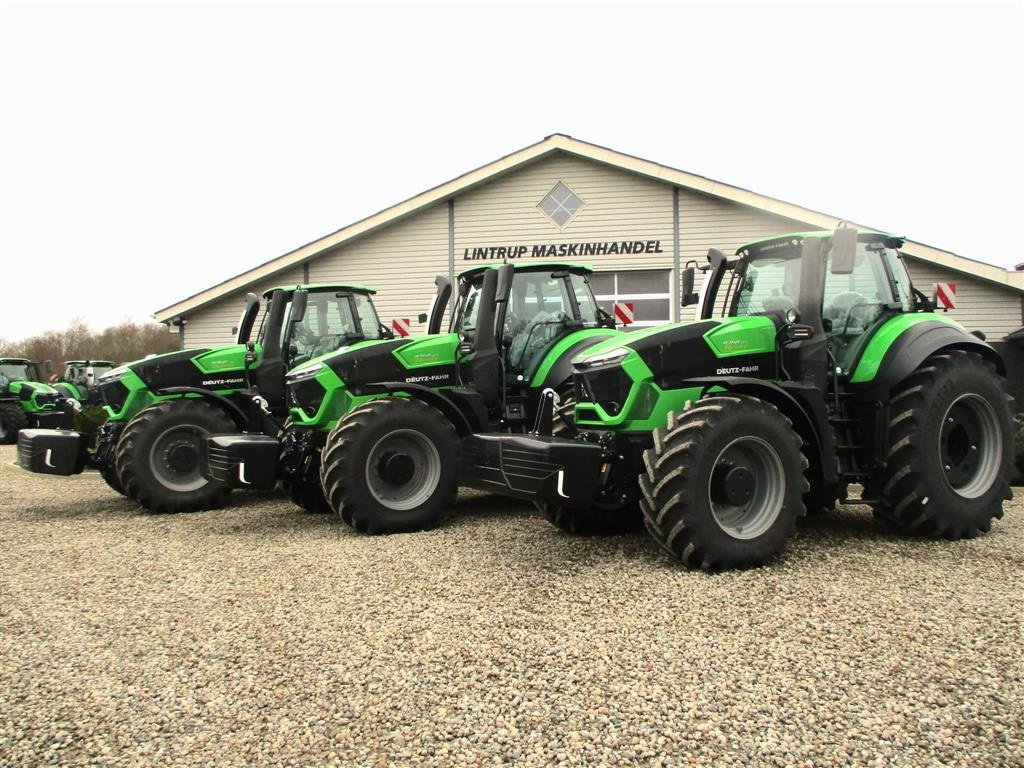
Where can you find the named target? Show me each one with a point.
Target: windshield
(16, 371)
(771, 283)
(333, 320)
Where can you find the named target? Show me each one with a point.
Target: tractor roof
(318, 287)
(798, 237)
(15, 360)
(532, 266)
(89, 362)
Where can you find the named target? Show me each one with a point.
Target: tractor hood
(218, 368)
(324, 388)
(621, 382)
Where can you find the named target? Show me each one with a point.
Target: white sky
(151, 150)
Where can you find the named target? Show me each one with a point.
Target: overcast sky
(151, 150)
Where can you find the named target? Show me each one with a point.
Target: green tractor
(25, 401)
(391, 413)
(824, 367)
(159, 408)
(80, 379)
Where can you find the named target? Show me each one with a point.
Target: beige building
(636, 222)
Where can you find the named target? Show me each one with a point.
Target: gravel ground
(260, 635)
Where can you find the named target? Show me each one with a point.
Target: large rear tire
(12, 418)
(391, 466)
(724, 483)
(157, 457)
(950, 449)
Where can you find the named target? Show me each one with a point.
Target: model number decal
(739, 369)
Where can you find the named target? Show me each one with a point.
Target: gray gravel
(260, 635)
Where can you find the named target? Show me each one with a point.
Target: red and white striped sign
(945, 295)
(401, 326)
(623, 312)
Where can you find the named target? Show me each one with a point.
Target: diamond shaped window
(560, 204)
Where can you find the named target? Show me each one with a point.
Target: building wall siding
(980, 305)
(211, 325)
(617, 206)
(401, 261)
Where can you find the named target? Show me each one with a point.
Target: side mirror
(844, 249)
(687, 296)
(505, 274)
(299, 306)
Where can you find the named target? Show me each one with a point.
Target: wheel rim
(174, 458)
(403, 469)
(747, 487)
(970, 446)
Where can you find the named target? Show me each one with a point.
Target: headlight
(304, 373)
(603, 360)
(114, 374)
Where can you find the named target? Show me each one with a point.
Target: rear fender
(911, 348)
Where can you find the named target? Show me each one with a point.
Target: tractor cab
(513, 319)
(17, 369)
(827, 293)
(301, 323)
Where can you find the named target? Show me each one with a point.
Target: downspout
(451, 253)
(677, 274)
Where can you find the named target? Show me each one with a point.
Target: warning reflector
(623, 312)
(945, 295)
(401, 326)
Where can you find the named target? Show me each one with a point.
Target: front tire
(724, 483)
(12, 419)
(157, 456)
(391, 466)
(950, 449)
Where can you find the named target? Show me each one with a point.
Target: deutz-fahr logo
(222, 382)
(738, 369)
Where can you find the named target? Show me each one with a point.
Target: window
(649, 291)
(560, 204)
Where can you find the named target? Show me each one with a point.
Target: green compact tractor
(80, 379)
(25, 401)
(377, 427)
(159, 408)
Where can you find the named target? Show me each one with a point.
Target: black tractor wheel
(724, 483)
(12, 418)
(157, 457)
(105, 462)
(307, 495)
(391, 466)
(950, 449)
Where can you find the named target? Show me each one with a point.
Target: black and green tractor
(159, 408)
(814, 365)
(391, 413)
(25, 401)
